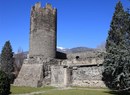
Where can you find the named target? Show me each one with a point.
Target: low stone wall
(89, 83)
(60, 76)
(87, 76)
(86, 55)
(38, 72)
(57, 76)
(89, 61)
(79, 75)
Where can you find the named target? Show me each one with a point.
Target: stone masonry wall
(78, 75)
(30, 75)
(87, 76)
(89, 61)
(86, 55)
(43, 25)
(35, 72)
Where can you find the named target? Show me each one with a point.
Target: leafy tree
(7, 60)
(116, 74)
(4, 84)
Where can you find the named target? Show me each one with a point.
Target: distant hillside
(76, 50)
(83, 52)
(72, 50)
(24, 54)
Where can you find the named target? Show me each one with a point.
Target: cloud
(60, 48)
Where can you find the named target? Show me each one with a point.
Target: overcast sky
(80, 22)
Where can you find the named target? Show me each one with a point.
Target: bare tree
(19, 58)
(102, 46)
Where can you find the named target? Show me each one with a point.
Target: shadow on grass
(118, 93)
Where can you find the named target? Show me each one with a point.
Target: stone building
(46, 66)
(43, 25)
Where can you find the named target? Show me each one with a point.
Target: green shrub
(4, 84)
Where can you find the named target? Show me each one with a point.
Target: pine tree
(4, 84)
(7, 60)
(116, 62)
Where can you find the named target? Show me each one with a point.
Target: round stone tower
(43, 28)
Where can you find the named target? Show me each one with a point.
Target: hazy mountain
(75, 50)
(71, 50)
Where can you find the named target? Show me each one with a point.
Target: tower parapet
(43, 28)
(37, 5)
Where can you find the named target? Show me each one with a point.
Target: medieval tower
(46, 66)
(43, 28)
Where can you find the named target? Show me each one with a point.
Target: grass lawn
(22, 90)
(83, 92)
(56, 91)
(76, 92)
